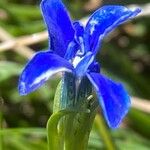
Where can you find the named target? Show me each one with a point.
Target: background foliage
(124, 56)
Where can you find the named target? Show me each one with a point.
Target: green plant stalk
(104, 133)
(1, 126)
(71, 122)
(75, 136)
(54, 139)
(79, 141)
(75, 108)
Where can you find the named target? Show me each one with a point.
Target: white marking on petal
(45, 76)
(82, 51)
(23, 87)
(107, 30)
(76, 60)
(93, 23)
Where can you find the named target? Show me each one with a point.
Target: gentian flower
(72, 48)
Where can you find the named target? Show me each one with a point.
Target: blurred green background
(125, 56)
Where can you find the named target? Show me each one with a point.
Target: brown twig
(24, 40)
(92, 5)
(20, 49)
(145, 9)
(141, 104)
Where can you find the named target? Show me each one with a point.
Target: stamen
(76, 60)
(82, 51)
(71, 50)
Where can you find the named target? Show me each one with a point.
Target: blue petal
(39, 69)
(59, 25)
(79, 29)
(104, 21)
(114, 100)
(94, 67)
(72, 49)
(82, 66)
(79, 33)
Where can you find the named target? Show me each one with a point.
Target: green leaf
(140, 121)
(8, 69)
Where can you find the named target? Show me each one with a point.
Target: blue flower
(72, 48)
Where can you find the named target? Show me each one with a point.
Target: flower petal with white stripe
(39, 69)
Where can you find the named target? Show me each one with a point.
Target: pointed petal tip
(138, 10)
(22, 89)
(118, 121)
(116, 124)
(135, 12)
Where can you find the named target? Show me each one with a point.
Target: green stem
(104, 132)
(71, 135)
(70, 125)
(79, 135)
(1, 125)
(53, 136)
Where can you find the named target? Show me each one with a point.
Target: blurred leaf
(9, 69)
(125, 139)
(130, 140)
(24, 139)
(140, 121)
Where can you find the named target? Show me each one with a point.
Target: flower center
(76, 60)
